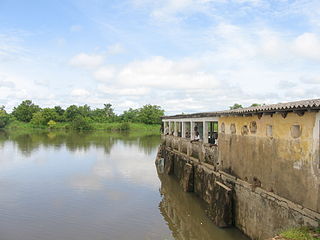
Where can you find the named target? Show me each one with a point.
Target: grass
(112, 126)
(301, 234)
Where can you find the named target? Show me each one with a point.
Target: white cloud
(115, 49)
(164, 73)
(307, 45)
(105, 73)
(124, 91)
(88, 61)
(80, 92)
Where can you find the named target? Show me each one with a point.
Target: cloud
(307, 45)
(105, 73)
(6, 84)
(160, 72)
(80, 92)
(310, 79)
(11, 46)
(87, 61)
(124, 91)
(115, 49)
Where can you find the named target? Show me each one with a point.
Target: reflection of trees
(29, 141)
(185, 214)
(147, 143)
(3, 137)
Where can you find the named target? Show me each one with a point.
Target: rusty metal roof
(303, 105)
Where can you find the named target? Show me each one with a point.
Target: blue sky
(184, 55)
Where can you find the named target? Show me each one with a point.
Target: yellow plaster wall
(281, 126)
(282, 164)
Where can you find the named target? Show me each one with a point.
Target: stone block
(220, 209)
(188, 177)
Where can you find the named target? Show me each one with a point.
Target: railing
(203, 152)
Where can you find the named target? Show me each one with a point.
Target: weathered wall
(207, 153)
(282, 162)
(257, 212)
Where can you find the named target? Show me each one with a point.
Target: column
(205, 132)
(169, 127)
(192, 130)
(166, 128)
(183, 134)
(175, 129)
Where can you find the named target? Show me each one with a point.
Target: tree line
(237, 105)
(80, 117)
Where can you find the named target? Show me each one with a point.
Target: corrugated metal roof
(279, 107)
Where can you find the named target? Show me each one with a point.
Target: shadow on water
(30, 141)
(185, 214)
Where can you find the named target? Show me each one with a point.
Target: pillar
(175, 129)
(169, 127)
(205, 132)
(183, 134)
(192, 130)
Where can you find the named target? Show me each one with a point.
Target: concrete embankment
(258, 213)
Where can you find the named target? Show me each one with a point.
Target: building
(274, 148)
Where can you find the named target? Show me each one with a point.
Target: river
(94, 186)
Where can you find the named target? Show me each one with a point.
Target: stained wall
(278, 153)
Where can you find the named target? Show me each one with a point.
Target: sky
(184, 55)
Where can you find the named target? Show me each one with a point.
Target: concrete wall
(202, 152)
(283, 160)
(256, 211)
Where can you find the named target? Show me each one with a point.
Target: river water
(93, 186)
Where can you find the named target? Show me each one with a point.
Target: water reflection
(185, 214)
(28, 142)
(96, 185)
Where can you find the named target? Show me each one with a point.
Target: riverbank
(108, 126)
(299, 234)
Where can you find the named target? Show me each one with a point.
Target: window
(253, 127)
(233, 129)
(269, 131)
(295, 131)
(244, 130)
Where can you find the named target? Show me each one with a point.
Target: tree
(108, 110)
(60, 112)
(84, 110)
(81, 123)
(25, 111)
(131, 115)
(150, 114)
(235, 106)
(44, 116)
(71, 113)
(4, 117)
(255, 105)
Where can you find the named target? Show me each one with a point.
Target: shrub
(125, 126)
(81, 123)
(52, 124)
(4, 118)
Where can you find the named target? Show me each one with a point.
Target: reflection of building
(185, 215)
(268, 156)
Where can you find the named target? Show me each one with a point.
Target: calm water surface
(93, 186)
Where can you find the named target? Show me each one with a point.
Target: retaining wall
(258, 213)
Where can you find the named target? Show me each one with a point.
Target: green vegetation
(4, 117)
(235, 106)
(28, 115)
(301, 234)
